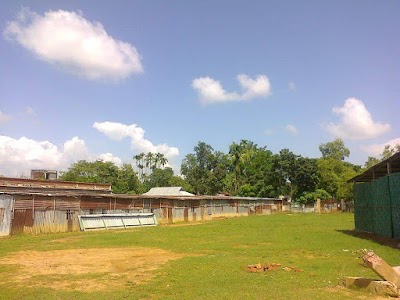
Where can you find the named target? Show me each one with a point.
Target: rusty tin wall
(6, 202)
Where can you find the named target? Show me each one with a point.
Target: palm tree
(163, 160)
(156, 160)
(139, 163)
(160, 160)
(235, 152)
(149, 161)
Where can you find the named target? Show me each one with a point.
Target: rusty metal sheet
(108, 221)
(6, 203)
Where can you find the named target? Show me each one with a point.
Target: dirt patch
(87, 269)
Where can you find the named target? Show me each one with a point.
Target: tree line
(246, 169)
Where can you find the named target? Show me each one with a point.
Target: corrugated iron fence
(377, 206)
(41, 213)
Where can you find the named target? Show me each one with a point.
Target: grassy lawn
(204, 261)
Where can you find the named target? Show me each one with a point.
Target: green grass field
(203, 261)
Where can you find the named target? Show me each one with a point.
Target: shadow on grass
(390, 242)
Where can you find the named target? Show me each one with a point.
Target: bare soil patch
(86, 269)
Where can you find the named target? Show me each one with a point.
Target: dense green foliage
(215, 255)
(246, 169)
(123, 180)
(250, 170)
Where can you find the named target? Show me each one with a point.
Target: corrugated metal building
(35, 206)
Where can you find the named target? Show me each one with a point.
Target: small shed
(377, 198)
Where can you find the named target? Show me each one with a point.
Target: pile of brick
(389, 286)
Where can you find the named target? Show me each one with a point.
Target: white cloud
(292, 86)
(4, 118)
(19, 156)
(77, 45)
(30, 112)
(377, 149)
(292, 129)
(119, 131)
(75, 149)
(211, 90)
(111, 158)
(356, 122)
(269, 131)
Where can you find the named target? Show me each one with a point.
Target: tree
(371, 161)
(305, 176)
(127, 181)
(149, 159)
(97, 172)
(335, 149)
(122, 180)
(160, 160)
(241, 155)
(283, 172)
(388, 151)
(139, 158)
(164, 178)
(235, 154)
(205, 170)
(254, 175)
(310, 197)
(333, 174)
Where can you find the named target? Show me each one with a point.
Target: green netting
(383, 221)
(361, 206)
(394, 182)
(396, 222)
(358, 218)
(369, 219)
(373, 206)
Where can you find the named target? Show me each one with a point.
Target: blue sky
(90, 80)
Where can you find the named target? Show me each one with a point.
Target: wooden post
(318, 205)
(389, 168)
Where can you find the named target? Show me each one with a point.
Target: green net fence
(377, 206)
(394, 181)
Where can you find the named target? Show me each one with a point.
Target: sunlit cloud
(109, 157)
(269, 131)
(69, 41)
(19, 156)
(211, 90)
(377, 149)
(4, 118)
(292, 86)
(119, 131)
(30, 112)
(292, 129)
(356, 122)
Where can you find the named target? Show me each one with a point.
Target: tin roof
(167, 191)
(385, 167)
